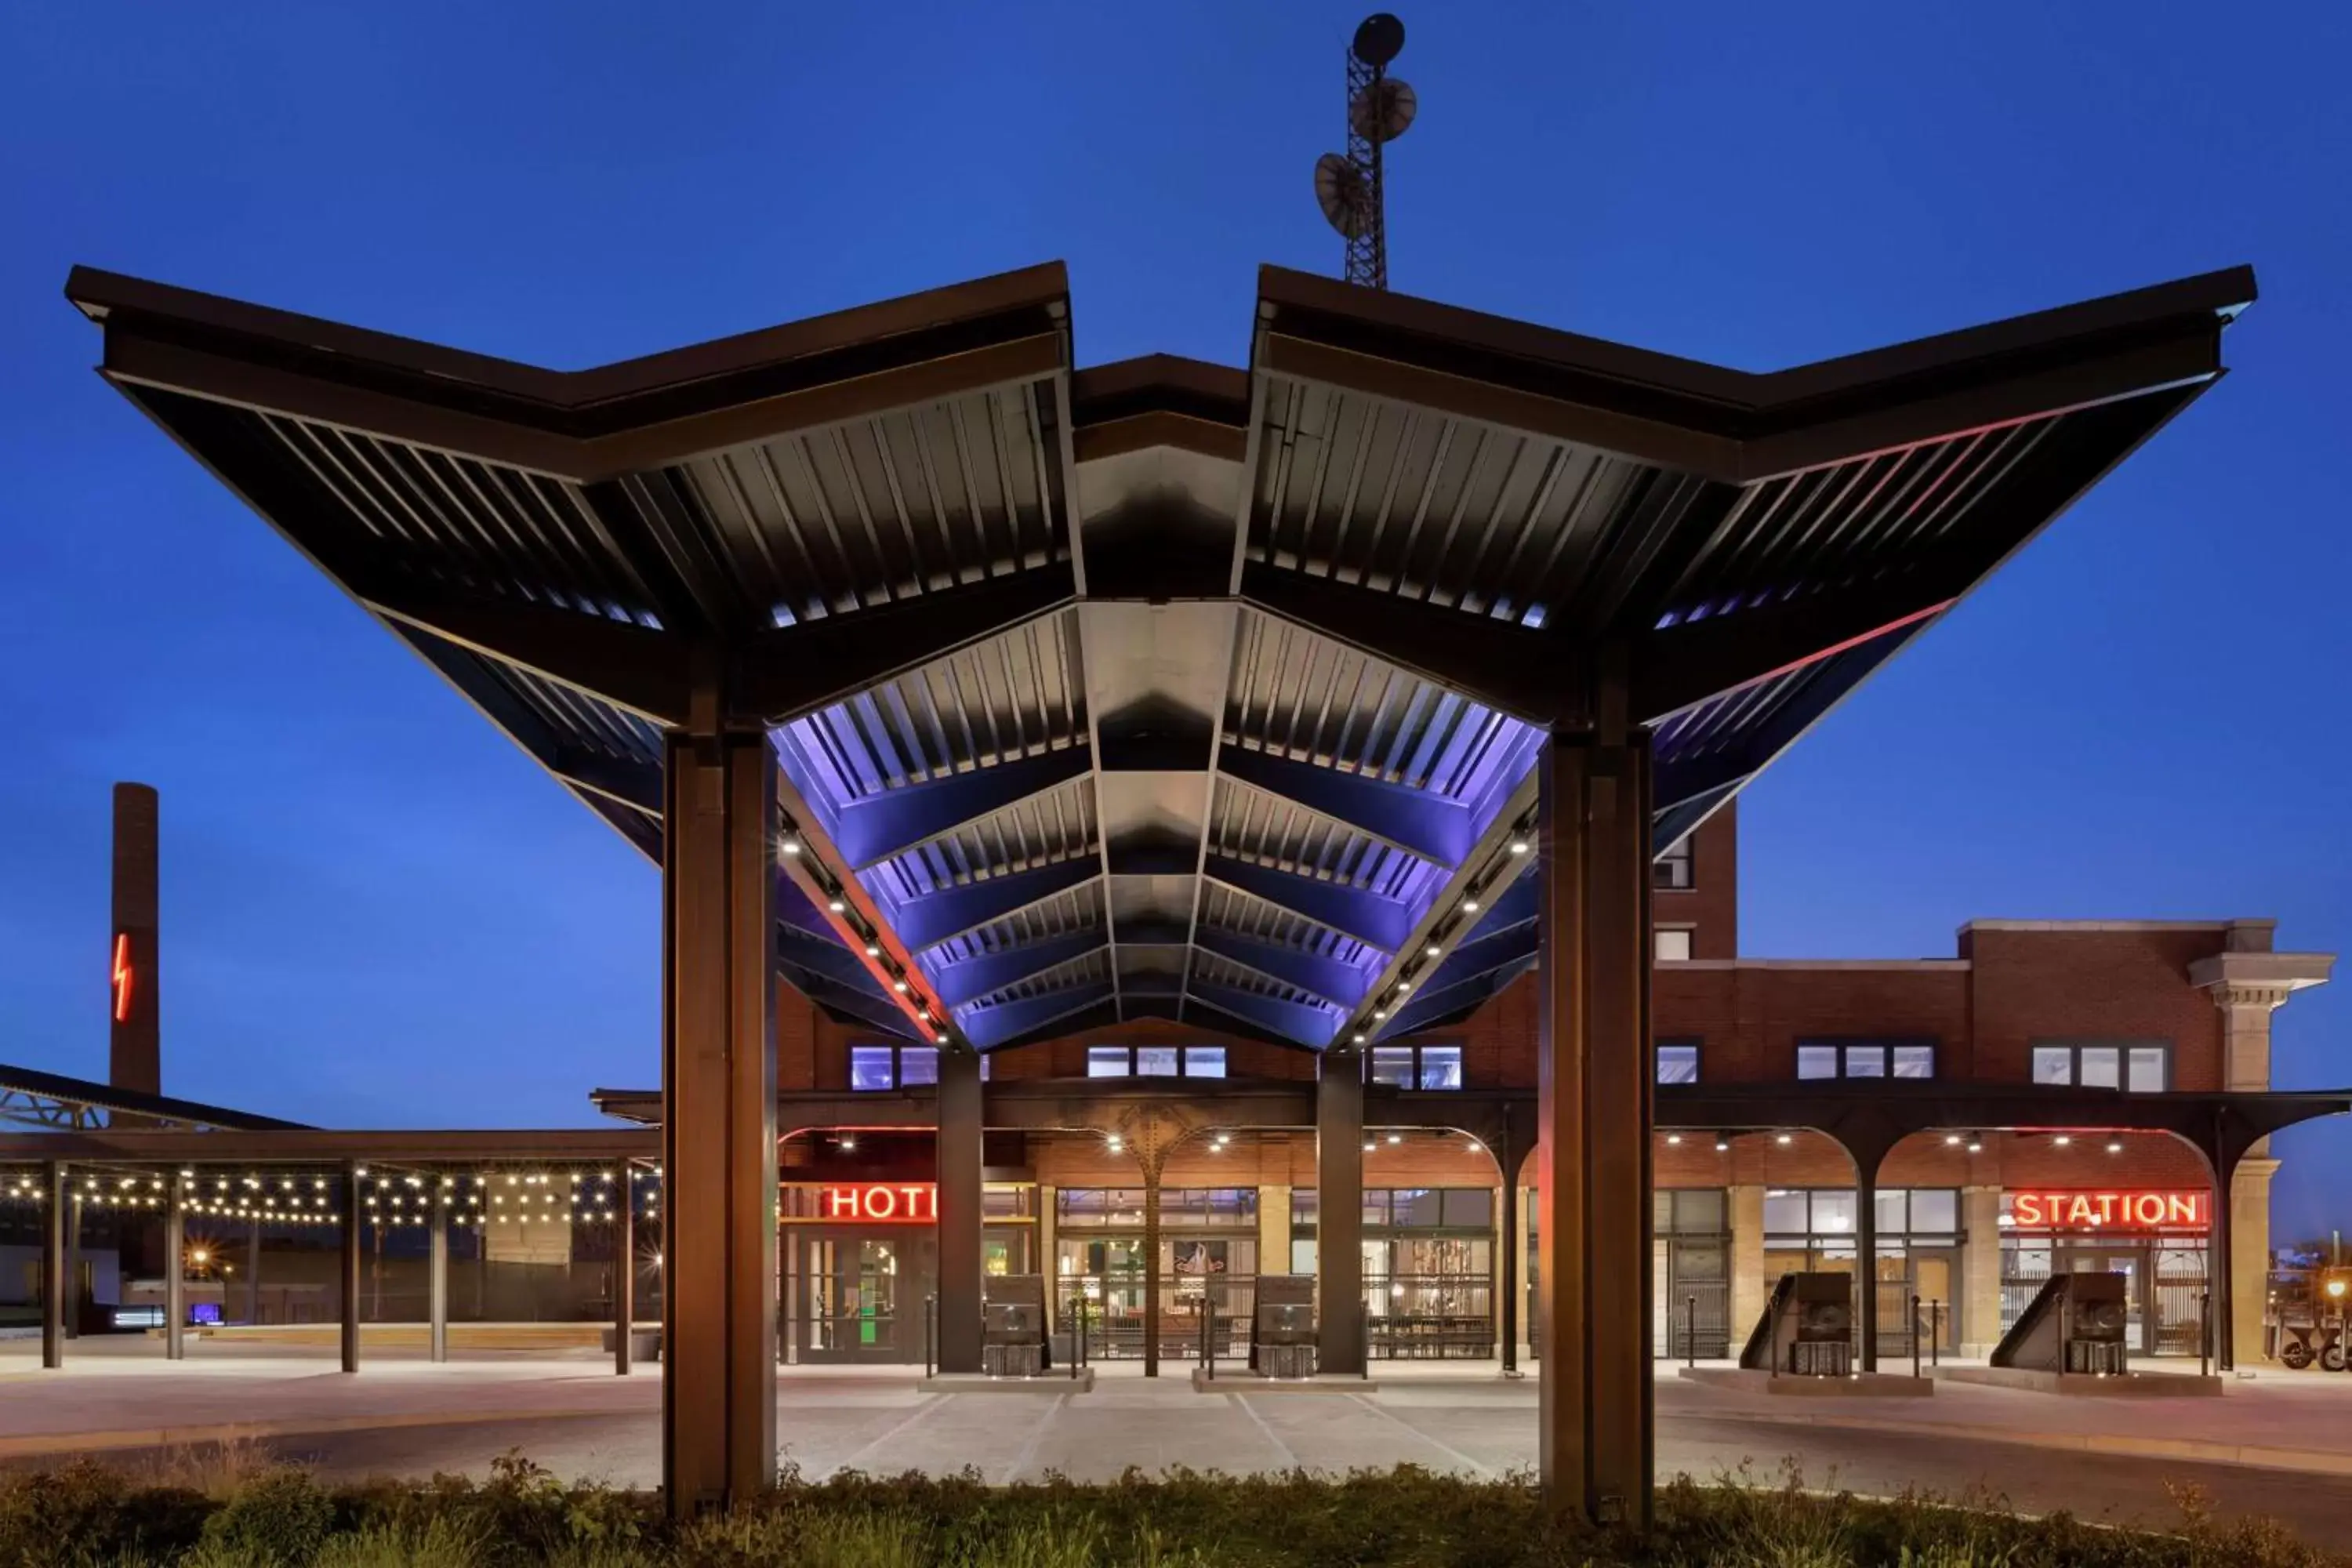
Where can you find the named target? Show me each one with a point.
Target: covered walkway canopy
(987, 698)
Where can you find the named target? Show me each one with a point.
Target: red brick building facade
(2154, 1006)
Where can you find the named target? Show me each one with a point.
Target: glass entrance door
(859, 1298)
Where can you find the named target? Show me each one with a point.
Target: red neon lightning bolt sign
(122, 977)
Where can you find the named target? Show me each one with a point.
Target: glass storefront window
(1469, 1207)
(1421, 1207)
(1935, 1209)
(1302, 1206)
(1834, 1213)
(1892, 1217)
(1784, 1213)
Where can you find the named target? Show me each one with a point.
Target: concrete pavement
(2267, 1438)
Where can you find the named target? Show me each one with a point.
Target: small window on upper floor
(895, 1067)
(1865, 1058)
(1678, 1061)
(1672, 870)
(1669, 944)
(1155, 1062)
(1415, 1066)
(2136, 1069)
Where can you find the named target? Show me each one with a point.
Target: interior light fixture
(1396, 1137)
(1784, 1138)
(1674, 1137)
(2062, 1141)
(1723, 1145)
(837, 905)
(790, 845)
(1976, 1146)
(1469, 905)
(2114, 1145)
(1433, 950)
(1951, 1139)
(1518, 846)
(873, 950)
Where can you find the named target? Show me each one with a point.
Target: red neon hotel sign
(891, 1203)
(2103, 1210)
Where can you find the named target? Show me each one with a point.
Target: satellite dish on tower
(1348, 186)
(1379, 39)
(1383, 111)
(1345, 198)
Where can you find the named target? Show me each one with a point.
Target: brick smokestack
(133, 994)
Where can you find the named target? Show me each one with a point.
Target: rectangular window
(1671, 945)
(1866, 1060)
(1441, 1066)
(1393, 1064)
(1672, 870)
(1110, 1061)
(1935, 1209)
(1678, 1063)
(1469, 1208)
(871, 1068)
(1418, 1206)
(1157, 1061)
(1833, 1213)
(918, 1064)
(2139, 1069)
(1204, 1061)
(1784, 1213)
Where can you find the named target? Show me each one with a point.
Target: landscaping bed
(201, 1513)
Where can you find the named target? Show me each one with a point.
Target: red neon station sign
(889, 1203)
(2110, 1210)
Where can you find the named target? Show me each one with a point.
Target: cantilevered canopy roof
(1159, 688)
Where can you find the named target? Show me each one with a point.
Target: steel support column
(175, 1273)
(1865, 1253)
(718, 1132)
(350, 1268)
(253, 1275)
(624, 1273)
(1152, 1167)
(1507, 1263)
(53, 1266)
(1595, 1076)
(436, 1276)
(2224, 1156)
(960, 1211)
(1340, 1212)
(70, 1269)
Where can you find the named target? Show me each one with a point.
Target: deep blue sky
(377, 912)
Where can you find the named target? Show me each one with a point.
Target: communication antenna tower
(1347, 186)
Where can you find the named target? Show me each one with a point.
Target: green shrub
(88, 1516)
(278, 1518)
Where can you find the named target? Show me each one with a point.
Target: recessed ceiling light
(1518, 846)
(1674, 1137)
(1784, 1138)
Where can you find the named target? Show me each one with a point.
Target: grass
(235, 1508)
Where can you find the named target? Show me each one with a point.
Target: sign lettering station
(2109, 1211)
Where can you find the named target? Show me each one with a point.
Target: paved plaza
(2276, 1444)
